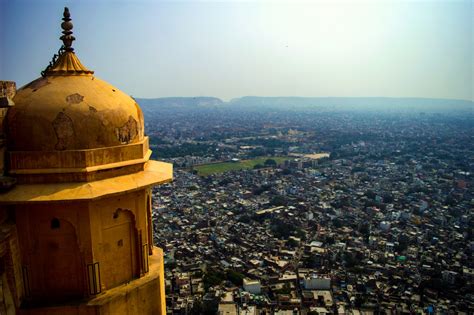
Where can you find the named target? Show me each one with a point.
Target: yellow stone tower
(76, 232)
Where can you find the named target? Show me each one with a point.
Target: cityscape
(379, 222)
(191, 157)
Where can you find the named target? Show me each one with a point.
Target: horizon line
(293, 96)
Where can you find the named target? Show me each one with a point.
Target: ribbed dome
(72, 112)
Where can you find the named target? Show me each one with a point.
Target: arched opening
(57, 271)
(119, 263)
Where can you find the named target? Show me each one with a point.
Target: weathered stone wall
(9, 249)
(7, 89)
(7, 92)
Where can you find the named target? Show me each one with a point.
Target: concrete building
(252, 286)
(316, 282)
(75, 210)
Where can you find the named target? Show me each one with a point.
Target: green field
(208, 169)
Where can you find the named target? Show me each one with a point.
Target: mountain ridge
(297, 102)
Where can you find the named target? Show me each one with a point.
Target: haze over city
(230, 49)
(275, 158)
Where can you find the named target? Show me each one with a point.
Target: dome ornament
(67, 26)
(65, 62)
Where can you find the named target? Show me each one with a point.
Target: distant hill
(308, 103)
(201, 101)
(353, 103)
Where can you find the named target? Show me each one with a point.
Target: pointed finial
(67, 37)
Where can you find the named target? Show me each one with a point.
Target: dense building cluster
(383, 225)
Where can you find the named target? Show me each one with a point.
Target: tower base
(145, 295)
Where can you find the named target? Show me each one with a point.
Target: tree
(197, 308)
(350, 260)
(171, 265)
(235, 277)
(388, 198)
(370, 194)
(212, 278)
(278, 201)
(245, 218)
(337, 223)
(364, 229)
(286, 171)
(259, 190)
(270, 162)
(286, 289)
(309, 261)
(292, 243)
(282, 229)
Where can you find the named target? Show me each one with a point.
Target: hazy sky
(235, 48)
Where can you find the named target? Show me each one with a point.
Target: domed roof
(72, 113)
(68, 108)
